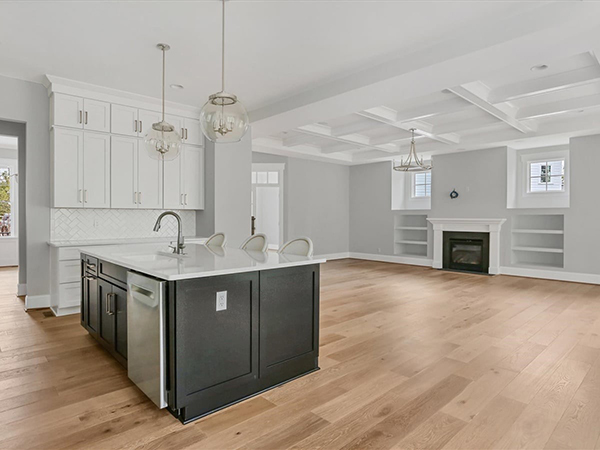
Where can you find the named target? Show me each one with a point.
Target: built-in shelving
(410, 235)
(538, 240)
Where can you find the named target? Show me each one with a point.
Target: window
(546, 176)
(265, 177)
(5, 202)
(421, 185)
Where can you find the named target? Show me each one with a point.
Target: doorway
(9, 201)
(267, 202)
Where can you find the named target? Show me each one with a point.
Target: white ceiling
(305, 68)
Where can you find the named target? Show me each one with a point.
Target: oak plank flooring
(411, 358)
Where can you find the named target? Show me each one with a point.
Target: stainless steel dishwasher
(146, 355)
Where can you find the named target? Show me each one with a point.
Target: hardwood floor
(411, 358)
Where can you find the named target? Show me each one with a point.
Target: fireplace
(466, 251)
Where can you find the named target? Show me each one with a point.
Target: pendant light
(162, 141)
(223, 118)
(412, 163)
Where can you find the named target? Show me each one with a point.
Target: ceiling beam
(475, 94)
(450, 105)
(544, 85)
(560, 107)
(388, 116)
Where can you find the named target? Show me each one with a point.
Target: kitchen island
(201, 331)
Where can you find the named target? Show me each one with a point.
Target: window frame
(547, 161)
(413, 185)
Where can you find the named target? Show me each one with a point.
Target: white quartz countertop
(121, 241)
(198, 262)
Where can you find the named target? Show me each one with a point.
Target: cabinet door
(123, 120)
(67, 169)
(289, 322)
(150, 180)
(120, 310)
(96, 115)
(172, 186)
(146, 119)
(96, 170)
(193, 133)
(123, 169)
(193, 177)
(177, 122)
(67, 111)
(106, 326)
(90, 296)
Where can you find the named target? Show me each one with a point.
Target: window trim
(413, 186)
(547, 160)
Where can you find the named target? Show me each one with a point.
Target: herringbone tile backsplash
(84, 224)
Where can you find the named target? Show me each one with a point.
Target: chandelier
(413, 163)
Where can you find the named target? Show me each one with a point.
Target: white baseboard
(416, 261)
(37, 301)
(546, 274)
(21, 289)
(65, 311)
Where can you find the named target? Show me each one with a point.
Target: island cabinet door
(107, 322)
(289, 323)
(214, 342)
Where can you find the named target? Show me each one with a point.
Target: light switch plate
(221, 301)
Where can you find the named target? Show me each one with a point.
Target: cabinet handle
(141, 126)
(181, 200)
(185, 197)
(135, 126)
(183, 133)
(135, 197)
(80, 196)
(80, 116)
(109, 309)
(140, 198)
(186, 134)
(86, 117)
(85, 196)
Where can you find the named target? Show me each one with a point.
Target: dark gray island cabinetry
(248, 323)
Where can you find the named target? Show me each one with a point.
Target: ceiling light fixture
(176, 86)
(223, 117)
(412, 163)
(162, 141)
(539, 67)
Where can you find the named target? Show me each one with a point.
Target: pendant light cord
(163, 86)
(223, 49)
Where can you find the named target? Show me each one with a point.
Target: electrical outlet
(221, 301)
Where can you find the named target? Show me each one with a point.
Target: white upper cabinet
(184, 180)
(123, 120)
(67, 110)
(67, 168)
(96, 170)
(146, 119)
(81, 172)
(123, 171)
(193, 180)
(96, 115)
(76, 112)
(192, 131)
(150, 180)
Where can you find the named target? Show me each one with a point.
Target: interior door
(149, 177)
(96, 170)
(68, 111)
(123, 120)
(193, 177)
(123, 169)
(67, 171)
(106, 326)
(96, 115)
(267, 213)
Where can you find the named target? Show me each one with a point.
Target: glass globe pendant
(223, 117)
(162, 142)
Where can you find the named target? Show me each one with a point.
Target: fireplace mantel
(491, 226)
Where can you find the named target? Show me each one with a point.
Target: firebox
(466, 251)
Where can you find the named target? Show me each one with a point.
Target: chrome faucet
(180, 242)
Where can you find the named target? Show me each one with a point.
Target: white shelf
(412, 228)
(538, 249)
(412, 242)
(524, 231)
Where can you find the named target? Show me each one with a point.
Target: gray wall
(480, 179)
(28, 103)
(316, 202)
